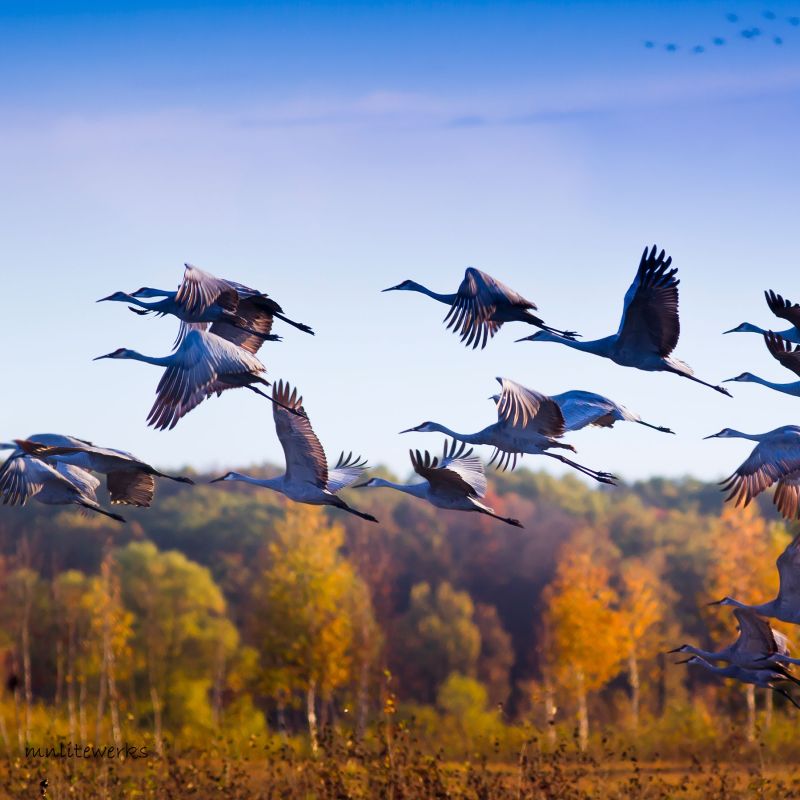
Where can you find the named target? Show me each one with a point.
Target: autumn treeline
(228, 612)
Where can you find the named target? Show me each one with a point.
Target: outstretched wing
(587, 408)
(782, 351)
(305, 458)
(785, 309)
(650, 313)
(477, 300)
(195, 373)
(787, 496)
(84, 481)
(346, 472)
(788, 565)
(520, 406)
(458, 472)
(200, 290)
(255, 317)
(23, 477)
(755, 634)
(769, 462)
(131, 488)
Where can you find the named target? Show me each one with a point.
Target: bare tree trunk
(154, 699)
(583, 713)
(102, 690)
(550, 710)
(767, 710)
(82, 727)
(311, 713)
(750, 693)
(633, 678)
(71, 678)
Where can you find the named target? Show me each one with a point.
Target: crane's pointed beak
(525, 338)
(714, 603)
(732, 330)
(391, 289)
(408, 430)
(360, 485)
(684, 661)
(729, 380)
(217, 480)
(107, 355)
(676, 650)
(103, 299)
(712, 436)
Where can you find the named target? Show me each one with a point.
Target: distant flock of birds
(223, 325)
(774, 32)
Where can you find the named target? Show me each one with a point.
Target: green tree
(180, 625)
(437, 636)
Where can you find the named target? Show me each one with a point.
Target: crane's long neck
(765, 609)
(729, 672)
(706, 653)
(162, 361)
(792, 388)
(753, 437)
(413, 286)
(135, 301)
(415, 489)
(599, 347)
(264, 483)
(469, 438)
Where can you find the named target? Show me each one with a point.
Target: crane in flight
(650, 327)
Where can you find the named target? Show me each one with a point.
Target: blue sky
(324, 151)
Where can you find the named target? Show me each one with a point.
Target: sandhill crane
(204, 298)
(757, 641)
(581, 409)
(775, 459)
(763, 678)
(455, 482)
(527, 422)
(129, 480)
(24, 477)
(308, 478)
(784, 309)
(786, 605)
(203, 364)
(649, 329)
(782, 351)
(480, 307)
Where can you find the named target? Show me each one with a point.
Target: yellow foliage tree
(304, 625)
(587, 639)
(642, 598)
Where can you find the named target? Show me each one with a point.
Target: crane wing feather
(476, 302)
(783, 352)
(347, 471)
(458, 471)
(200, 290)
(305, 458)
(650, 315)
(782, 308)
(520, 406)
